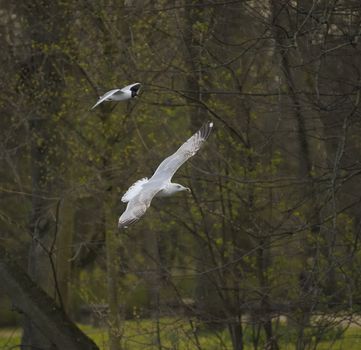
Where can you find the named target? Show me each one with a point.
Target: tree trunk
(112, 243)
(41, 260)
(47, 318)
(64, 251)
(154, 280)
(289, 58)
(41, 83)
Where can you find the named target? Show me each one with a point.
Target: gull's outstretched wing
(138, 205)
(170, 165)
(107, 95)
(132, 87)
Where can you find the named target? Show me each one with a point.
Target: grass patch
(9, 338)
(181, 334)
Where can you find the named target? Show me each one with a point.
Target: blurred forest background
(264, 254)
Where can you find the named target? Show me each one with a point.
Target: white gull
(141, 193)
(126, 93)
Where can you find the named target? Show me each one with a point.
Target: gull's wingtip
(209, 124)
(206, 129)
(126, 223)
(121, 225)
(95, 105)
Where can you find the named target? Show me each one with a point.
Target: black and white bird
(141, 193)
(126, 93)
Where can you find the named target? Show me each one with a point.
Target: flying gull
(141, 193)
(123, 94)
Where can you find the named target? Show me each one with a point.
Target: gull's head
(180, 188)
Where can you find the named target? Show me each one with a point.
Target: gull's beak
(188, 189)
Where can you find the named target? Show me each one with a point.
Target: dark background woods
(272, 226)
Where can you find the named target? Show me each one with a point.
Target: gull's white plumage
(123, 94)
(140, 194)
(134, 190)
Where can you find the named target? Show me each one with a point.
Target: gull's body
(140, 195)
(126, 93)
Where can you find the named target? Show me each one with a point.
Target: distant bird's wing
(170, 165)
(132, 87)
(107, 95)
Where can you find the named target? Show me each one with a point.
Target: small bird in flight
(141, 193)
(123, 94)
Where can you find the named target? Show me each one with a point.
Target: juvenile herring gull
(123, 94)
(141, 193)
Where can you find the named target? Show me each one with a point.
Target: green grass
(9, 337)
(177, 334)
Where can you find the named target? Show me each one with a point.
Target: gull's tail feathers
(134, 190)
